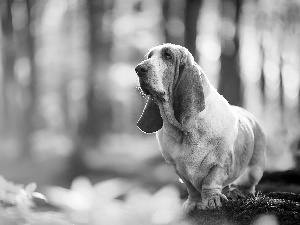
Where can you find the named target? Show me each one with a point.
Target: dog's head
(173, 80)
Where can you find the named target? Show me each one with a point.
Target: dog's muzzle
(142, 70)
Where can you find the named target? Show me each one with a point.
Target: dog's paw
(213, 200)
(192, 204)
(234, 193)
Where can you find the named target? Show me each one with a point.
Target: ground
(276, 207)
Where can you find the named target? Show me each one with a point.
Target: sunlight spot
(250, 60)
(290, 81)
(54, 12)
(228, 29)
(210, 49)
(123, 26)
(271, 70)
(56, 144)
(164, 216)
(266, 220)
(110, 189)
(22, 70)
(67, 198)
(123, 75)
(268, 40)
(83, 185)
(76, 89)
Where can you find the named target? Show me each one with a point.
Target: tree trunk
(97, 119)
(299, 102)
(8, 61)
(192, 9)
(230, 84)
(30, 95)
(165, 20)
(262, 81)
(281, 92)
(68, 33)
(173, 21)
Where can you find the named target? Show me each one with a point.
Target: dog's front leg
(194, 199)
(212, 188)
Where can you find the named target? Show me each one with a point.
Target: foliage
(120, 202)
(16, 202)
(116, 201)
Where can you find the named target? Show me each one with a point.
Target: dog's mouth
(144, 87)
(148, 90)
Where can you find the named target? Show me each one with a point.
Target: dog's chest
(184, 157)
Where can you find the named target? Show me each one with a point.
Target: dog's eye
(167, 55)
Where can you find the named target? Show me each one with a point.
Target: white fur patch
(159, 67)
(218, 116)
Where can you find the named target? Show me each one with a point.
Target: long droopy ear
(188, 92)
(150, 120)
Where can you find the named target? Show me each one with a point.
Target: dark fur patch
(188, 94)
(150, 120)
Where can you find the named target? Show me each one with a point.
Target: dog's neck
(185, 128)
(169, 127)
(193, 131)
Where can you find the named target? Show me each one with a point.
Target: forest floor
(273, 208)
(146, 170)
(277, 201)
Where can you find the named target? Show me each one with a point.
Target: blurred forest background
(69, 102)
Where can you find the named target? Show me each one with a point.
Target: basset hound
(212, 145)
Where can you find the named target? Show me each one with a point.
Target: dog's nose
(141, 70)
